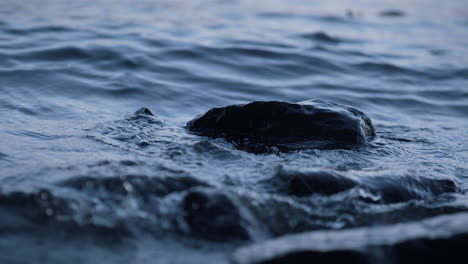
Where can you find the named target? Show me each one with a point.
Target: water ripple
(76, 158)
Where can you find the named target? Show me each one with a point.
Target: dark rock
(382, 188)
(442, 239)
(307, 182)
(143, 111)
(401, 188)
(213, 216)
(287, 126)
(306, 257)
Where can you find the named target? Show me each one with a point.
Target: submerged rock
(213, 216)
(287, 126)
(381, 187)
(442, 239)
(307, 182)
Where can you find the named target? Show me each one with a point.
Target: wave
(323, 37)
(331, 18)
(38, 30)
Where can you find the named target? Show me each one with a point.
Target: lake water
(83, 180)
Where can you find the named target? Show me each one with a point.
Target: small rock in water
(287, 126)
(143, 111)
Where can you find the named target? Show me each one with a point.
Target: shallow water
(77, 164)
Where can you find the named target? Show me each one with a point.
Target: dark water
(84, 180)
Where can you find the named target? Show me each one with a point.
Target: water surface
(78, 166)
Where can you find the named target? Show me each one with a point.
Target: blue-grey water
(84, 180)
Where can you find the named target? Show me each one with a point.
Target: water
(78, 166)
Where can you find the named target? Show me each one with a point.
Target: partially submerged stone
(442, 239)
(213, 216)
(381, 187)
(308, 124)
(143, 111)
(307, 182)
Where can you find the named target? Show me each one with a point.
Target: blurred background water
(77, 165)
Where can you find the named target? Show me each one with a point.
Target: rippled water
(78, 166)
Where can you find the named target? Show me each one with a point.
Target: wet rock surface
(143, 111)
(384, 188)
(213, 216)
(442, 239)
(309, 124)
(308, 182)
